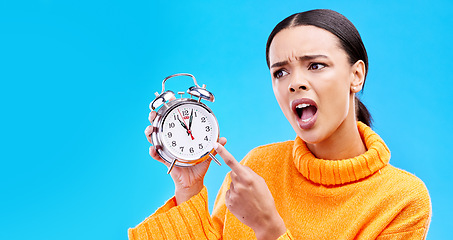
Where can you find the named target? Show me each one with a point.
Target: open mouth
(306, 110)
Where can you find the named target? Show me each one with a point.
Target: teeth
(302, 105)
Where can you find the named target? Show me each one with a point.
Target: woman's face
(312, 80)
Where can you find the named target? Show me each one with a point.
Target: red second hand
(190, 132)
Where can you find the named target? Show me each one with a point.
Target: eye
(316, 66)
(280, 73)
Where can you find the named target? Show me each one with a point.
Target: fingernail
(215, 145)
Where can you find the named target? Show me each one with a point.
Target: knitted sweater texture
(358, 198)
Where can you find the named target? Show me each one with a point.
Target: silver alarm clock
(184, 129)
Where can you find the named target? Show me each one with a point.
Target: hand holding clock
(188, 180)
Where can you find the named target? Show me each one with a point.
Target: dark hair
(340, 26)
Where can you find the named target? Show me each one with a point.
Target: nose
(298, 83)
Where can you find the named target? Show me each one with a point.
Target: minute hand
(190, 120)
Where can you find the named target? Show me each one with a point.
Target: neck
(344, 143)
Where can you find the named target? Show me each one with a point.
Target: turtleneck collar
(333, 172)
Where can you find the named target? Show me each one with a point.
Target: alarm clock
(184, 129)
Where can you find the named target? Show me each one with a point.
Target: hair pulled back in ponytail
(340, 26)
(362, 113)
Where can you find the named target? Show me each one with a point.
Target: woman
(332, 182)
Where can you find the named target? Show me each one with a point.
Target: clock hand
(185, 126)
(190, 120)
(182, 124)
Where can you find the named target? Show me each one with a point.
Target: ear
(358, 72)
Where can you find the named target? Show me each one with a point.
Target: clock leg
(171, 166)
(215, 159)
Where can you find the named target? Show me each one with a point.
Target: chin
(310, 136)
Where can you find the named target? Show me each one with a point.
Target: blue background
(77, 77)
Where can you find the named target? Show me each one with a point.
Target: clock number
(173, 144)
(191, 150)
(169, 134)
(208, 129)
(200, 146)
(206, 138)
(185, 112)
(203, 119)
(171, 125)
(182, 149)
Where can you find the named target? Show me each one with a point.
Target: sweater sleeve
(286, 236)
(412, 221)
(189, 220)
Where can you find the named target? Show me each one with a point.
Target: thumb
(228, 158)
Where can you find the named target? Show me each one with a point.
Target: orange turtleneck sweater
(358, 198)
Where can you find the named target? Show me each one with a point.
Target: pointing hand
(250, 200)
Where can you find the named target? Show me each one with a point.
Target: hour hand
(182, 124)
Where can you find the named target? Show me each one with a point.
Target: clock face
(188, 131)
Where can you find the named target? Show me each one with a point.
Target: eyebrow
(302, 58)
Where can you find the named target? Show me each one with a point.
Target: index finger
(152, 115)
(229, 159)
